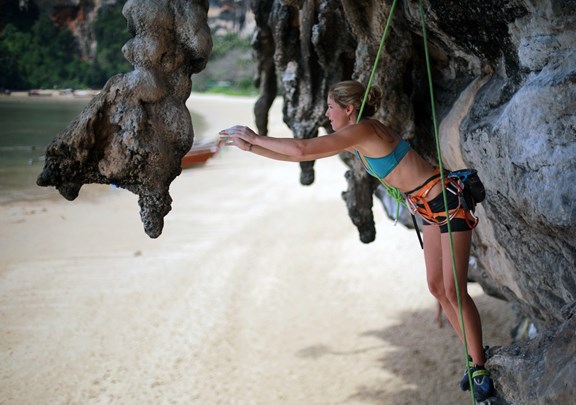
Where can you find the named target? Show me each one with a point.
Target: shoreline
(53, 94)
(59, 94)
(29, 191)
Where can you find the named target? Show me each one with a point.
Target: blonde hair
(351, 92)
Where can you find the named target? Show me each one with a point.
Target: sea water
(27, 126)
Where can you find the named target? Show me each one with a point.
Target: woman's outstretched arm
(288, 149)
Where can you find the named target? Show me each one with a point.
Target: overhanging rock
(135, 132)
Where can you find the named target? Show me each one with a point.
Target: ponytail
(351, 92)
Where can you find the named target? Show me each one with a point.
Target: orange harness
(418, 203)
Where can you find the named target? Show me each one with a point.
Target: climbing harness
(419, 204)
(456, 181)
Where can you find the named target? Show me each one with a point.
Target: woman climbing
(391, 159)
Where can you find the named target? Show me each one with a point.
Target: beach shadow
(431, 360)
(426, 361)
(320, 350)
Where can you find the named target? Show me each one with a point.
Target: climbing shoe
(482, 383)
(483, 386)
(465, 382)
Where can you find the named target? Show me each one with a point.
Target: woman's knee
(437, 290)
(452, 296)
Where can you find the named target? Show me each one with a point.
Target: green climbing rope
(393, 192)
(444, 195)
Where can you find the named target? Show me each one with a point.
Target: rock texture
(135, 132)
(504, 78)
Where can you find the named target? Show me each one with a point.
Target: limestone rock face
(136, 131)
(504, 77)
(545, 378)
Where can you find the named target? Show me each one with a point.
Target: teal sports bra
(382, 166)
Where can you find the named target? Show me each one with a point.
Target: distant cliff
(224, 16)
(77, 44)
(77, 16)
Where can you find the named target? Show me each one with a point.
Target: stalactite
(135, 132)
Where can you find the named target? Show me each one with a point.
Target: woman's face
(337, 115)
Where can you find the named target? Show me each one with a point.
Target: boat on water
(200, 154)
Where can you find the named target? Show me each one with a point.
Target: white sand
(257, 292)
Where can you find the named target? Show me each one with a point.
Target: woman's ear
(349, 110)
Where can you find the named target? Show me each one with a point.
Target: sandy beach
(259, 291)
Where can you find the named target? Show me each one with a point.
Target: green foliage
(222, 44)
(241, 89)
(44, 56)
(111, 33)
(12, 42)
(31, 59)
(229, 69)
(37, 54)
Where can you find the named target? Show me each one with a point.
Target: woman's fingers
(231, 136)
(226, 135)
(236, 131)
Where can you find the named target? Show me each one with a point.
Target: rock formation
(136, 131)
(505, 86)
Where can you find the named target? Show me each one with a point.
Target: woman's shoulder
(366, 132)
(375, 125)
(372, 122)
(380, 130)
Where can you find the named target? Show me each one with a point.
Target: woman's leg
(438, 259)
(435, 274)
(472, 323)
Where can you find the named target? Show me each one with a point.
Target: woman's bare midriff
(412, 172)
